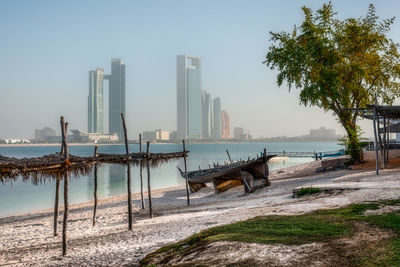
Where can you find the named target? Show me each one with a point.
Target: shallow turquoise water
(19, 197)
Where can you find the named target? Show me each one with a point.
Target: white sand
(28, 239)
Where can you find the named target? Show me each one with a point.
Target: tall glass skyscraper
(95, 101)
(116, 99)
(189, 97)
(217, 122)
(207, 115)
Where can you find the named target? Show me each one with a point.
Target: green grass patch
(288, 230)
(308, 191)
(318, 226)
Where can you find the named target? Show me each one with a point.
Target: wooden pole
(148, 180)
(128, 170)
(141, 172)
(65, 219)
(95, 188)
(128, 174)
(62, 135)
(384, 142)
(229, 156)
(125, 134)
(66, 149)
(388, 140)
(186, 173)
(140, 143)
(380, 140)
(375, 140)
(56, 204)
(66, 158)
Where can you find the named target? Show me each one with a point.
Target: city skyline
(199, 116)
(188, 95)
(232, 45)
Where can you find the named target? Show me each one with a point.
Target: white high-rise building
(188, 85)
(95, 101)
(217, 121)
(207, 115)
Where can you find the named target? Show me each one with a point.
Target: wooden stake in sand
(56, 204)
(95, 188)
(148, 180)
(141, 172)
(186, 174)
(64, 127)
(128, 174)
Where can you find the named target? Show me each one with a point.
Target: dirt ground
(337, 252)
(370, 162)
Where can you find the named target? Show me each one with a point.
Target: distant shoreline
(55, 144)
(163, 143)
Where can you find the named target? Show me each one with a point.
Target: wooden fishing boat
(252, 174)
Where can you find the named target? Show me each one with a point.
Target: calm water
(19, 197)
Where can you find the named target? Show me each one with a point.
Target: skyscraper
(217, 121)
(226, 132)
(95, 101)
(189, 97)
(116, 97)
(206, 117)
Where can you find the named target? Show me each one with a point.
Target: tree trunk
(353, 143)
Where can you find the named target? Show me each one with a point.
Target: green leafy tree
(338, 65)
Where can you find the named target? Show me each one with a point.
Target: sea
(19, 196)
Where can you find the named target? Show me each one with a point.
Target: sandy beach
(28, 239)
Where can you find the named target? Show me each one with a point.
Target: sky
(48, 47)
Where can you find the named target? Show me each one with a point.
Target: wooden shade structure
(389, 118)
(63, 165)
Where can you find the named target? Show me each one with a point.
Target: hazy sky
(48, 47)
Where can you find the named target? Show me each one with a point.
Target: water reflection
(112, 177)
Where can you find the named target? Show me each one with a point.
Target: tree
(338, 64)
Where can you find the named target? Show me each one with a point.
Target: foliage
(338, 65)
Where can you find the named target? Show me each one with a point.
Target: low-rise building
(17, 141)
(149, 136)
(44, 135)
(157, 135)
(79, 136)
(162, 135)
(238, 132)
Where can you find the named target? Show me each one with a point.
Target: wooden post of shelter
(141, 171)
(128, 174)
(384, 142)
(375, 139)
(56, 204)
(388, 140)
(95, 188)
(64, 127)
(186, 173)
(378, 126)
(148, 179)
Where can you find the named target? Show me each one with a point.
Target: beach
(28, 239)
